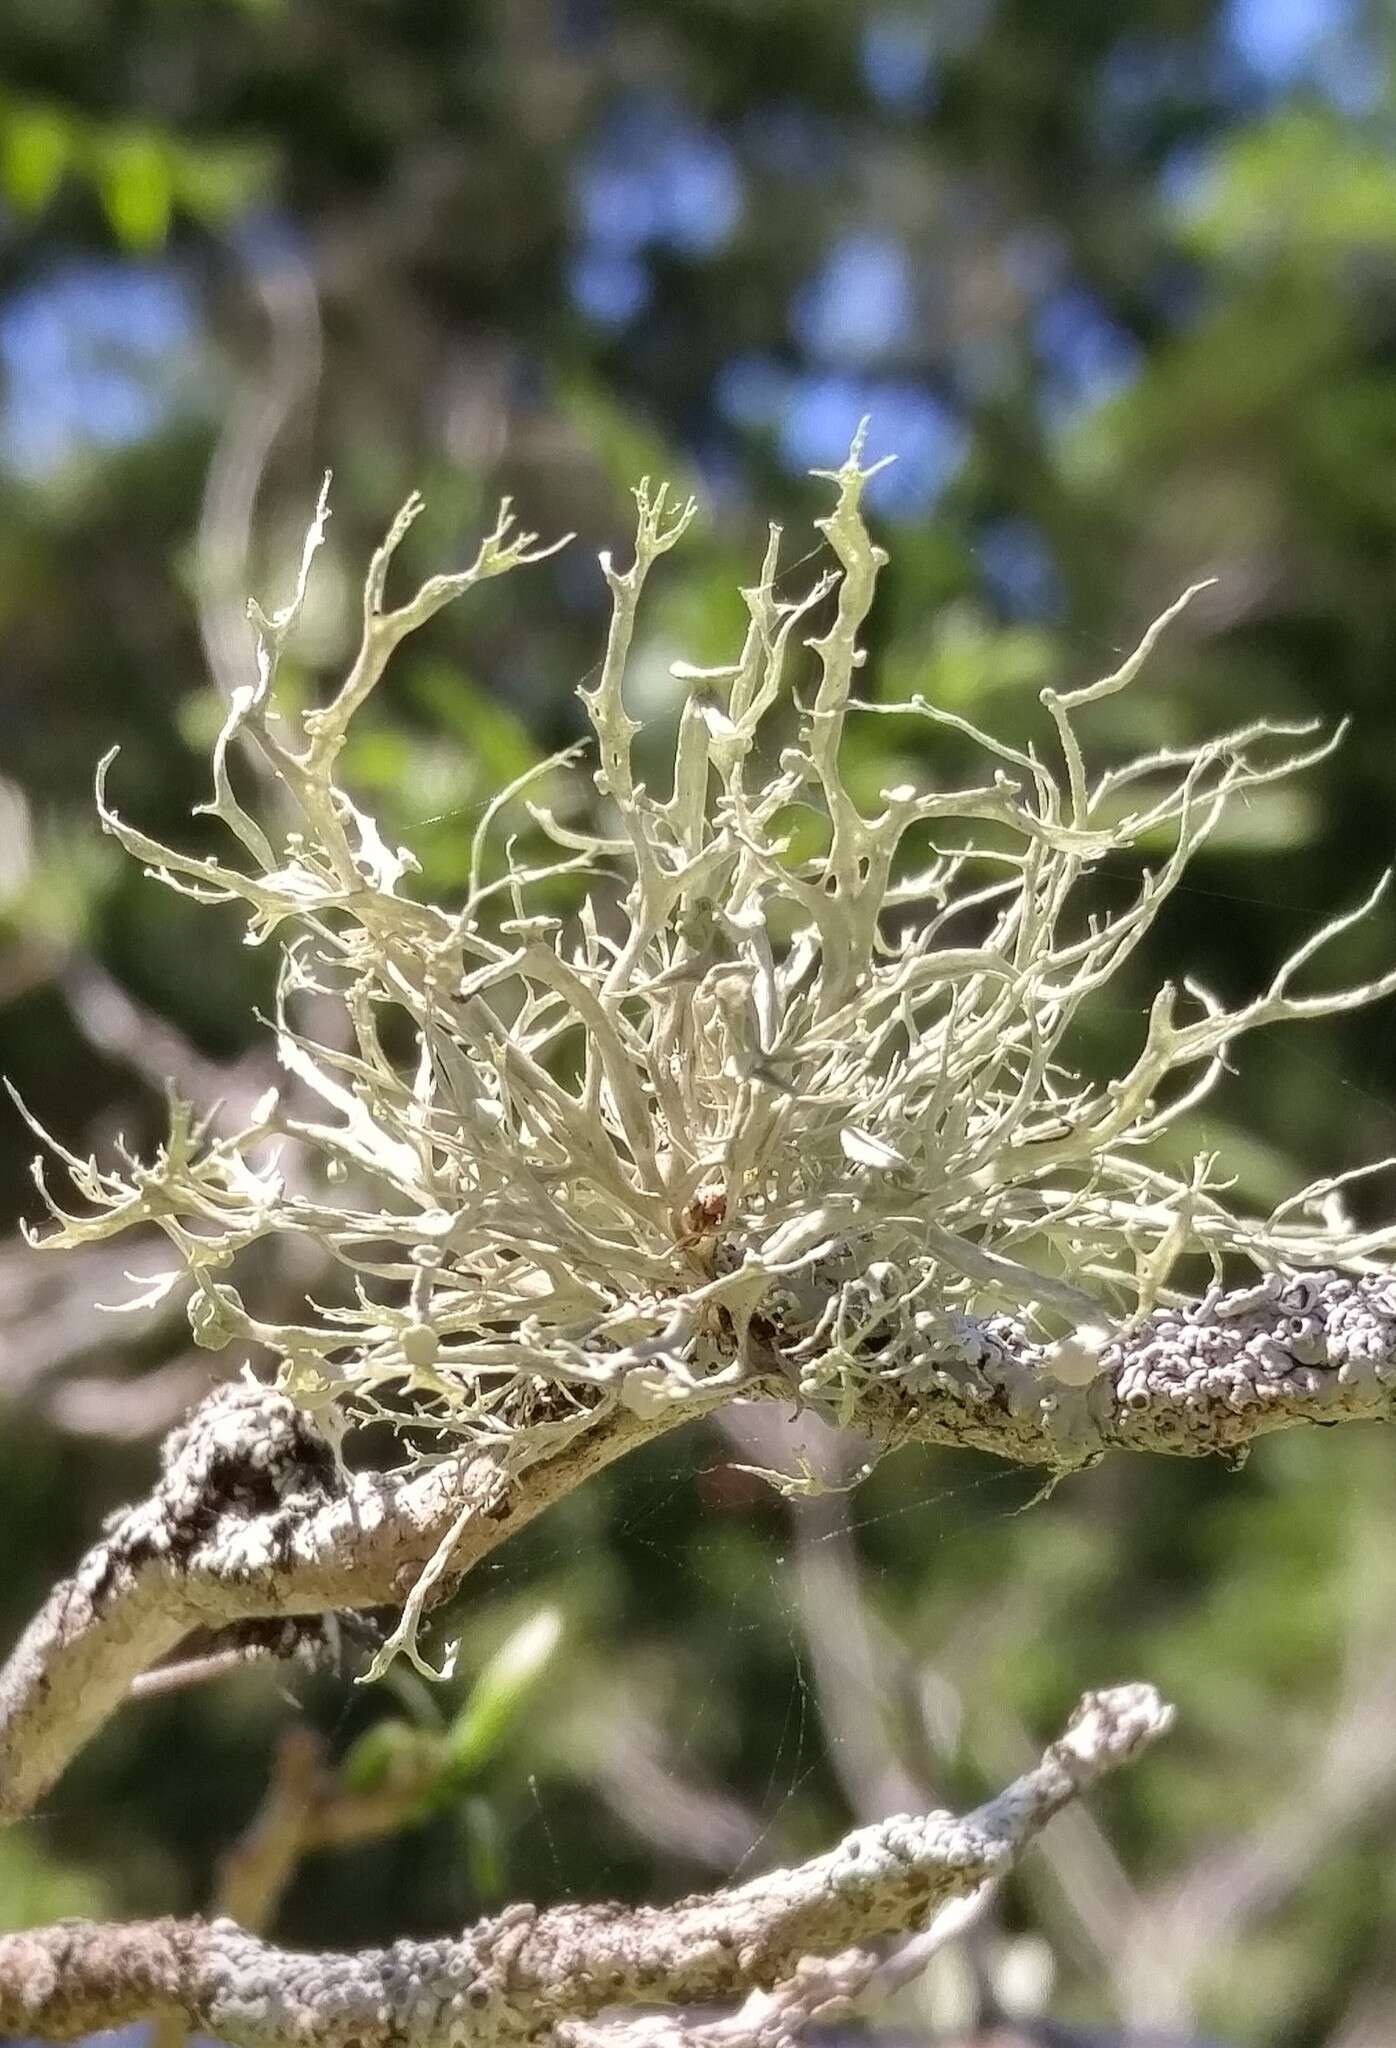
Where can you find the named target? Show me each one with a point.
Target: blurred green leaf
(136, 182)
(36, 147)
(968, 660)
(499, 744)
(1305, 181)
(36, 1886)
(217, 183)
(483, 1849)
(503, 1687)
(391, 1752)
(1269, 821)
(380, 757)
(622, 441)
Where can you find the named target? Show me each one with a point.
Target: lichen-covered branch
(253, 1521)
(786, 1110)
(515, 1978)
(748, 1096)
(1204, 1379)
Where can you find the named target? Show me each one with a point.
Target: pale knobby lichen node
(752, 1101)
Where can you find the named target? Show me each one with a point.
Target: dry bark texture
(256, 1534)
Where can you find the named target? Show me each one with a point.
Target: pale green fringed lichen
(744, 1099)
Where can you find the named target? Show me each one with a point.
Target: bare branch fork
(819, 1144)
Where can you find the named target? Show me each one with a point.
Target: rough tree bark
(254, 1533)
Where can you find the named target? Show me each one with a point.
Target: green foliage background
(1120, 283)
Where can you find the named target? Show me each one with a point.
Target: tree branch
(508, 1978)
(254, 1521)
(1205, 1379)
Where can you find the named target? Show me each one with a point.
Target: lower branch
(516, 1977)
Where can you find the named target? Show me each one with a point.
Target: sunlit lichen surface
(823, 1099)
